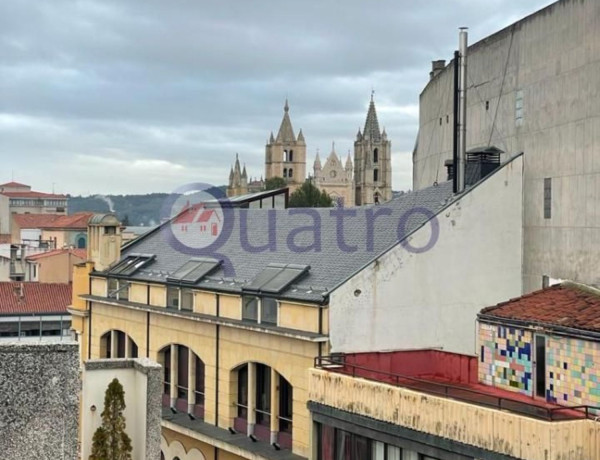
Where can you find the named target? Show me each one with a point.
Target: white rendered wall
(95, 383)
(431, 299)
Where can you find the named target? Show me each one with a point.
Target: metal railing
(338, 364)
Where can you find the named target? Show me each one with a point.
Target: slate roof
(36, 298)
(566, 305)
(330, 263)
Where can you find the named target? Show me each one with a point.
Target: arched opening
(81, 242)
(285, 172)
(285, 155)
(290, 173)
(375, 156)
(271, 408)
(117, 344)
(291, 156)
(376, 198)
(183, 379)
(375, 175)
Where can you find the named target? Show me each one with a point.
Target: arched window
(291, 156)
(376, 198)
(117, 344)
(290, 173)
(268, 410)
(375, 175)
(183, 387)
(81, 242)
(285, 155)
(375, 156)
(284, 172)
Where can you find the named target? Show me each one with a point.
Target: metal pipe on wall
(462, 138)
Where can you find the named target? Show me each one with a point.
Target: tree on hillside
(309, 196)
(110, 442)
(274, 183)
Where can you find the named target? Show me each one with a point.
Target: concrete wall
(430, 300)
(551, 62)
(493, 430)
(39, 400)
(142, 382)
(57, 268)
(4, 215)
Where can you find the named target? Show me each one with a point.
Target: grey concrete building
(533, 87)
(39, 400)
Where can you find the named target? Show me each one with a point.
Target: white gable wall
(413, 300)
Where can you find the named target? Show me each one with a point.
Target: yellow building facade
(226, 377)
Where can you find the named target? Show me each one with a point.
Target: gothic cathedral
(372, 162)
(285, 155)
(368, 181)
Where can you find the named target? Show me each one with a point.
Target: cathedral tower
(238, 179)
(372, 162)
(285, 155)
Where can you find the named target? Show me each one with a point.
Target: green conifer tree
(110, 442)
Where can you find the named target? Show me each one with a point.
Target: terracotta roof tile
(32, 194)
(34, 220)
(80, 253)
(78, 220)
(13, 184)
(35, 298)
(567, 305)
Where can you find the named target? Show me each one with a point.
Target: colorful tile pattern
(505, 358)
(573, 371)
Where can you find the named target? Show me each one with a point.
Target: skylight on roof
(275, 278)
(194, 270)
(130, 264)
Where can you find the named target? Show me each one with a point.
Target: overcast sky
(145, 96)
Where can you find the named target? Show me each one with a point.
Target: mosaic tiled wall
(573, 371)
(505, 358)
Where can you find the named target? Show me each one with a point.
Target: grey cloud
(191, 83)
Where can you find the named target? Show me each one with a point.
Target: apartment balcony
(437, 393)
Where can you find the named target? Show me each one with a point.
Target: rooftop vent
(480, 162)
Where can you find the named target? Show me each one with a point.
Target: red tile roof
(35, 298)
(78, 220)
(13, 184)
(567, 305)
(81, 253)
(32, 195)
(34, 220)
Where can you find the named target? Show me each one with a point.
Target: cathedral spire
(349, 162)
(286, 132)
(272, 138)
(317, 163)
(301, 136)
(371, 130)
(244, 175)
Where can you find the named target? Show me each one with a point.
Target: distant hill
(135, 210)
(130, 209)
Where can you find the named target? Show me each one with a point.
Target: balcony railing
(338, 364)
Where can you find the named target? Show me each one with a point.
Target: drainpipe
(462, 138)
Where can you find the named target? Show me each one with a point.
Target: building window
(172, 297)
(290, 173)
(110, 230)
(123, 292)
(291, 156)
(375, 175)
(187, 299)
(261, 310)
(250, 308)
(487, 105)
(242, 392)
(263, 404)
(284, 172)
(547, 198)
(188, 378)
(375, 156)
(263, 395)
(117, 344)
(519, 108)
(268, 311)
